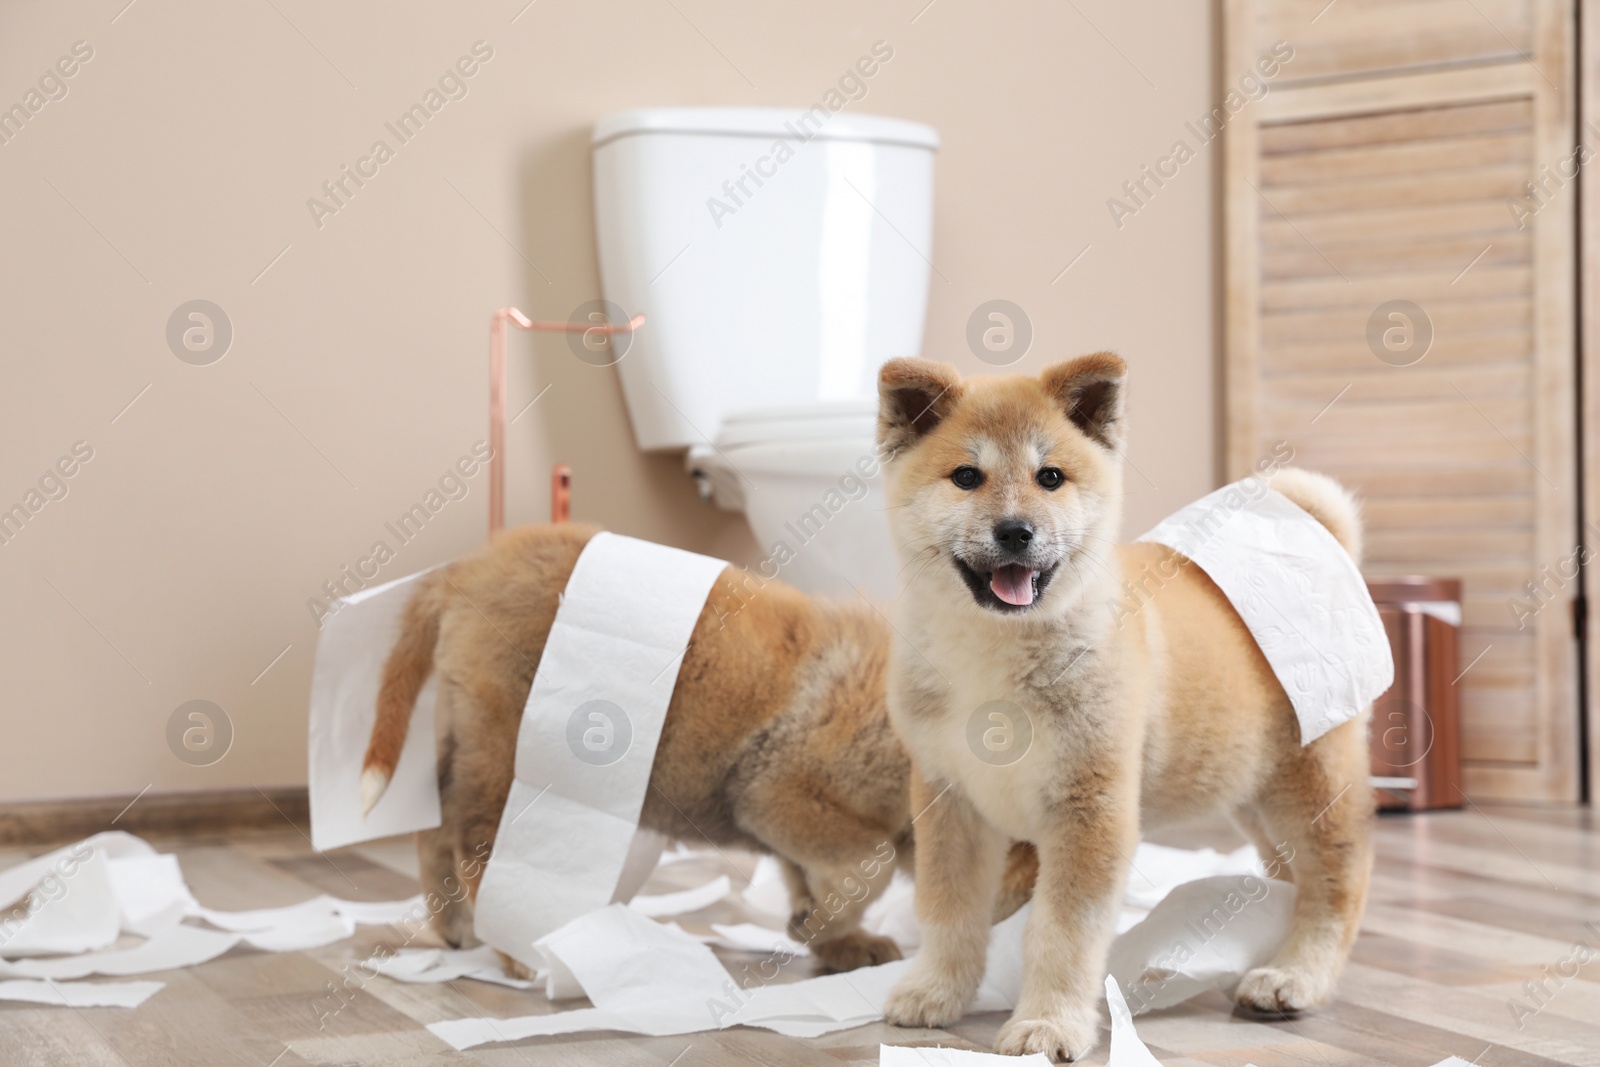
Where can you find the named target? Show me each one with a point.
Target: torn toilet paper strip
(588, 737)
(649, 978)
(426, 965)
(646, 977)
(1298, 591)
(351, 651)
(77, 902)
(1126, 1048)
(1204, 935)
(80, 994)
(70, 901)
(922, 1056)
(684, 901)
(1157, 870)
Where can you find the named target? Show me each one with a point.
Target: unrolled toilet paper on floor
(78, 903)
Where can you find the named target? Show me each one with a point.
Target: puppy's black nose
(1013, 535)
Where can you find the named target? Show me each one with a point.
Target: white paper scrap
(308, 914)
(420, 965)
(1126, 1048)
(749, 937)
(654, 974)
(644, 977)
(939, 1056)
(351, 651)
(174, 947)
(1158, 869)
(1298, 591)
(816, 1006)
(767, 893)
(644, 855)
(17, 882)
(79, 901)
(83, 917)
(68, 899)
(150, 891)
(685, 901)
(80, 994)
(1206, 934)
(588, 737)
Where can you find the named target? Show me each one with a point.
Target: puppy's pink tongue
(1013, 583)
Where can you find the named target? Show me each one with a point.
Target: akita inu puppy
(1004, 500)
(776, 739)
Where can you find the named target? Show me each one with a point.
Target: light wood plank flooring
(1466, 907)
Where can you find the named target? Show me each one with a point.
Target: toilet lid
(851, 419)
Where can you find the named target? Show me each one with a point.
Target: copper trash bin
(1416, 725)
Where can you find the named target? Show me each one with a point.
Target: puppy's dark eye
(1050, 478)
(967, 477)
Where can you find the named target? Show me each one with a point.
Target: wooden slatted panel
(1360, 210)
(1365, 37)
(1345, 195)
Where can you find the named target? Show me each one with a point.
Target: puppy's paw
(924, 999)
(855, 949)
(454, 924)
(1060, 1037)
(1282, 990)
(514, 968)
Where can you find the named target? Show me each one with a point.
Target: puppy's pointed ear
(914, 396)
(1089, 390)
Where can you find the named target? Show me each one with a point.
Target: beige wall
(178, 165)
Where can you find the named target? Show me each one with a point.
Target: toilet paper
(80, 994)
(588, 738)
(653, 978)
(923, 1056)
(74, 906)
(351, 651)
(1126, 1048)
(684, 901)
(1298, 591)
(431, 965)
(1204, 934)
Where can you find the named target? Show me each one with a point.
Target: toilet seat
(824, 439)
(807, 478)
(820, 420)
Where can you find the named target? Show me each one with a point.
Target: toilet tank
(780, 257)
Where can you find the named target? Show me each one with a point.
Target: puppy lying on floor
(1004, 497)
(776, 740)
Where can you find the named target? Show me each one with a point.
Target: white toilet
(780, 257)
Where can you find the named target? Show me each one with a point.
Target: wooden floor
(1466, 907)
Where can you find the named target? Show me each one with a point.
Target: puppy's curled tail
(1328, 502)
(404, 674)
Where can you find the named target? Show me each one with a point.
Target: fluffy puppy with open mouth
(1034, 709)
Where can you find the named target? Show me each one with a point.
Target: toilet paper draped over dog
(351, 651)
(588, 737)
(1299, 593)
